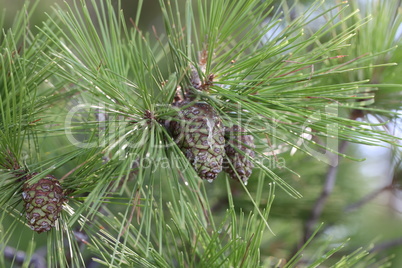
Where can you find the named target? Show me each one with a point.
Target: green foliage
(86, 97)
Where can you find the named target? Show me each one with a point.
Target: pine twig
(392, 186)
(368, 198)
(325, 193)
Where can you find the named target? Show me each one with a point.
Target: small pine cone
(236, 162)
(200, 134)
(43, 203)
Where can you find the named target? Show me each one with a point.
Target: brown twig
(73, 170)
(329, 99)
(368, 198)
(137, 28)
(136, 208)
(325, 193)
(346, 63)
(247, 249)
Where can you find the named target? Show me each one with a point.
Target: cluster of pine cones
(198, 131)
(208, 145)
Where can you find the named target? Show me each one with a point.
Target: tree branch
(325, 193)
(368, 198)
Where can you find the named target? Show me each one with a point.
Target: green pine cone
(238, 164)
(43, 203)
(200, 134)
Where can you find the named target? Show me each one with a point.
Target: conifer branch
(327, 189)
(97, 101)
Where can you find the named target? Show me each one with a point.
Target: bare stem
(367, 198)
(325, 193)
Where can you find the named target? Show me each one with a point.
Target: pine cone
(236, 162)
(43, 203)
(200, 134)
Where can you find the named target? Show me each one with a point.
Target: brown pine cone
(43, 202)
(200, 135)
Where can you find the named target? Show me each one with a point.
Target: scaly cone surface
(199, 133)
(43, 202)
(238, 164)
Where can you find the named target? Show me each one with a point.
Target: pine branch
(328, 187)
(89, 99)
(369, 197)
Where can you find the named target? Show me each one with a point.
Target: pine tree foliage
(87, 96)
